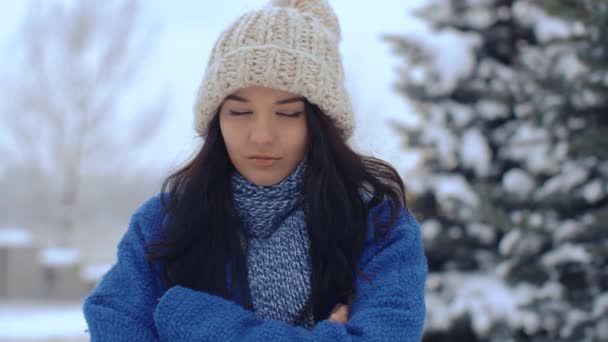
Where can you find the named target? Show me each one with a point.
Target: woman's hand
(339, 314)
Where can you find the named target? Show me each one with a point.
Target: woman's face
(265, 132)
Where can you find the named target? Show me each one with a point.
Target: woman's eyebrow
(236, 98)
(288, 100)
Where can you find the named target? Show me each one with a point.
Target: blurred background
(493, 111)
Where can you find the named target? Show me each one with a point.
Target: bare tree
(66, 109)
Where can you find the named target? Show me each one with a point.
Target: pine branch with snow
(512, 188)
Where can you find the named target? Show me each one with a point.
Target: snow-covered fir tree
(512, 186)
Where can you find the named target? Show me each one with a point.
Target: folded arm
(121, 306)
(390, 308)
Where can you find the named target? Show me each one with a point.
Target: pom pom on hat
(319, 9)
(290, 45)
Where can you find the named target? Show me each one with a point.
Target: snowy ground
(41, 321)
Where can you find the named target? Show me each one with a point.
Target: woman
(276, 230)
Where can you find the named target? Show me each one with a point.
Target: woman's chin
(264, 177)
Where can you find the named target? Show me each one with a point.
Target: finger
(338, 319)
(337, 307)
(339, 310)
(340, 314)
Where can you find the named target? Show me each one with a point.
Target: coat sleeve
(121, 306)
(390, 308)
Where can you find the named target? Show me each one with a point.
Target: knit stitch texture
(290, 45)
(131, 304)
(278, 260)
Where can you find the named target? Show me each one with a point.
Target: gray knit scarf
(278, 260)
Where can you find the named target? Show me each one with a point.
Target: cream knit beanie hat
(290, 45)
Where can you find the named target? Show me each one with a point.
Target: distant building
(28, 271)
(91, 274)
(61, 268)
(20, 270)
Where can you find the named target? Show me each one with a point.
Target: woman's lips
(263, 161)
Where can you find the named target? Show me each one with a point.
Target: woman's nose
(262, 131)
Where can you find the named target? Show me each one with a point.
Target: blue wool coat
(131, 304)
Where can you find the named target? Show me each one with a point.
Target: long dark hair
(340, 186)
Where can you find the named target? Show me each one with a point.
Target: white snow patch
(491, 109)
(565, 253)
(602, 329)
(41, 321)
(603, 168)
(517, 216)
(572, 174)
(438, 316)
(59, 256)
(433, 281)
(486, 298)
(475, 152)
(518, 182)
(574, 318)
(576, 123)
(550, 290)
(454, 65)
(571, 66)
(455, 187)
(560, 152)
(535, 220)
(479, 17)
(600, 307)
(483, 232)
(461, 115)
(594, 191)
(445, 142)
(588, 219)
(94, 272)
(566, 230)
(15, 237)
(503, 268)
(531, 145)
(507, 243)
(523, 110)
(530, 321)
(430, 229)
(546, 26)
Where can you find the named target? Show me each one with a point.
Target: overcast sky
(188, 32)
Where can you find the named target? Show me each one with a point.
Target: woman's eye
(290, 114)
(234, 112)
